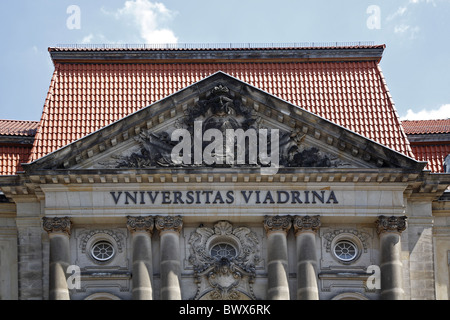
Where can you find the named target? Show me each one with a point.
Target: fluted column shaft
(389, 229)
(277, 257)
(305, 229)
(58, 230)
(141, 229)
(169, 229)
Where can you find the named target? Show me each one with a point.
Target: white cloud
(403, 17)
(404, 28)
(422, 1)
(87, 39)
(443, 112)
(400, 12)
(149, 18)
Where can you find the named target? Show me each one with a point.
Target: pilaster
(277, 228)
(389, 230)
(305, 229)
(58, 230)
(169, 228)
(141, 229)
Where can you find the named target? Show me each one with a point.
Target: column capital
(136, 224)
(390, 224)
(306, 223)
(277, 223)
(57, 224)
(169, 223)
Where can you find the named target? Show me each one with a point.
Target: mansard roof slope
(92, 88)
(357, 151)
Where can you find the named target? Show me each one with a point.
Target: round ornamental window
(223, 250)
(345, 250)
(102, 251)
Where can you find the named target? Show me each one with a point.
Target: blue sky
(416, 61)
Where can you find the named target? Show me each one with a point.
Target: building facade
(223, 174)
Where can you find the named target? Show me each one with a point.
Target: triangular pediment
(212, 108)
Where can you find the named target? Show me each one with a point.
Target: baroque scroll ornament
(57, 224)
(140, 224)
(305, 223)
(224, 278)
(391, 224)
(277, 223)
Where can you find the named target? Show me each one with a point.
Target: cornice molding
(357, 53)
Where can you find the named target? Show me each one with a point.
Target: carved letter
(114, 196)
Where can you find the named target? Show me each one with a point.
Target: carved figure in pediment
(220, 111)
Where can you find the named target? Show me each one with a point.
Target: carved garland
(330, 236)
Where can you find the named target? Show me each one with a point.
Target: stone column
(59, 232)
(169, 229)
(141, 229)
(305, 229)
(277, 228)
(389, 230)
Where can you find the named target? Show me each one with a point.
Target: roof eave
(329, 54)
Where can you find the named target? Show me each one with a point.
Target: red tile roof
(426, 126)
(432, 144)
(18, 127)
(433, 153)
(11, 157)
(13, 152)
(84, 97)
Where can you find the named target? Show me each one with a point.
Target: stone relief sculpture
(220, 111)
(220, 273)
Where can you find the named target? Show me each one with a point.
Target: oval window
(223, 250)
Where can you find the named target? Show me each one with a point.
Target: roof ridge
(17, 120)
(440, 119)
